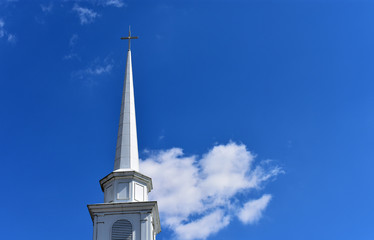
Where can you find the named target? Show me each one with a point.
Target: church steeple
(126, 212)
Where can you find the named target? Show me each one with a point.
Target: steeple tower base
(125, 221)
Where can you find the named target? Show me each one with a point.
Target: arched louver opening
(122, 230)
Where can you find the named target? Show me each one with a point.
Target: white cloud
(197, 191)
(86, 15)
(229, 176)
(252, 210)
(166, 165)
(211, 223)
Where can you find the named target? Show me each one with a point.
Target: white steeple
(126, 212)
(127, 142)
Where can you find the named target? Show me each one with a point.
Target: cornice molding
(127, 175)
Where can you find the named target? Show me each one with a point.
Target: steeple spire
(127, 156)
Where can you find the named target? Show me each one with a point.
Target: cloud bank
(207, 191)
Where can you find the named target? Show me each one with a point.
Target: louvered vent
(122, 230)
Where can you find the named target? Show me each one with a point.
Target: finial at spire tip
(129, 37)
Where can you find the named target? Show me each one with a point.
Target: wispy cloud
(99, 70)
(252, 210)
(7, 2)
(73, 40)
(91, 75)
(104, 3)
(86, 15)
(72, 54)
(94, 71)
(11, 38)
(47, 8)
(2, 31)
(114, 3)
(207, 187)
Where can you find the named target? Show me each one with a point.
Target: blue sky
(281, 85)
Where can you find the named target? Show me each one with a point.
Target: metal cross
(129, 37)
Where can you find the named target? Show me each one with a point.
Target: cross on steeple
(129, 37)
